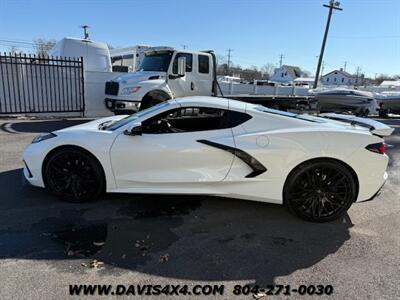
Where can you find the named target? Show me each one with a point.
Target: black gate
(36, 84)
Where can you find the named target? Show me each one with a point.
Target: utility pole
(281, 57)
(332, 5)
(184, 47)
(322, 68)
(85, 33)
(229, 61)
(345, 65)
(358, 71)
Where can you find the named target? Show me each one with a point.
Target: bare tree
(43, 46)
(382, 77)
(267, 70)
(13, 49)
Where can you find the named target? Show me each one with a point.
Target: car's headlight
(42, 137)
(129, 90)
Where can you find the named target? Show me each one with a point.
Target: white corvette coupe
(316, 166)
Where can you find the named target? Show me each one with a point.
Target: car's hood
(92, 125)
(139, 76)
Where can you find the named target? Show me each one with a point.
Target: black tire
(153, 98)
(320, 191)
(74, 175)
(383, 113)
(149, 103)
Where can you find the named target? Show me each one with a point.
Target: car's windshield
(156, 61)
(135, 116)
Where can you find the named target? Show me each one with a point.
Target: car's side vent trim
(253, 163)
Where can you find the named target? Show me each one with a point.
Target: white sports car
(316, 166)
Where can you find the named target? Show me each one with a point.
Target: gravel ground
(45, 244)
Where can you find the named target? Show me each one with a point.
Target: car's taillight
(377, 148)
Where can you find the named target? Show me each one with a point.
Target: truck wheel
(153, 98)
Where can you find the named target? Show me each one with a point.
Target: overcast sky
(366, 33)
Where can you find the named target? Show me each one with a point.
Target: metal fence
(38, 84)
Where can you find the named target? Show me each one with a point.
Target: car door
(171, 150)
(204, 80)
(182, 86)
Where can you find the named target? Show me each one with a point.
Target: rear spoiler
(375, 127)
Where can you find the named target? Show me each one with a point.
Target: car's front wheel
(74, 175)
(320, 191)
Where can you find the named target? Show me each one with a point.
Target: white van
(96, 56)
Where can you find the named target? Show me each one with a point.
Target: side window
(187, 119)
(204, 64)
(189, 61)
(236, 118)
(190, 119)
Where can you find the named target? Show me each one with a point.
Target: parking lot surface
(45, 244)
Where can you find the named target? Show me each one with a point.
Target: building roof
(295, 71)
(344, 73)
(304, 79)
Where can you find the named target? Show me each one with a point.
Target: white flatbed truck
(166, 73)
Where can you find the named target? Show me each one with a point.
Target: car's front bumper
(32, 158)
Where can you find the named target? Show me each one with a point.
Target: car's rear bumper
(376, 194)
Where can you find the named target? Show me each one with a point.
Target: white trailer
(127, 59)
(96, 56)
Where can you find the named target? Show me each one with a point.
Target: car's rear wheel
(320, 191)
(74, 175)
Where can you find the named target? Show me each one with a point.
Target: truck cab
(164, 73)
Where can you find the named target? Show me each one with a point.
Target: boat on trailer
(344, 100)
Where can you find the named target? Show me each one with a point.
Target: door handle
(192, 86)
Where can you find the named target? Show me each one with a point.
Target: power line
(332, 5)
(18, 46)
(16, 42)
(365, 37)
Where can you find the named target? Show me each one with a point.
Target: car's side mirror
(181, 66)
(134, 130)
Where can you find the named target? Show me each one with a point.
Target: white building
(286, 74)
(338, 77)
(390, 83)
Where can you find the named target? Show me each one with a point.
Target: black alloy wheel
(74, 175)
(320, 191)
